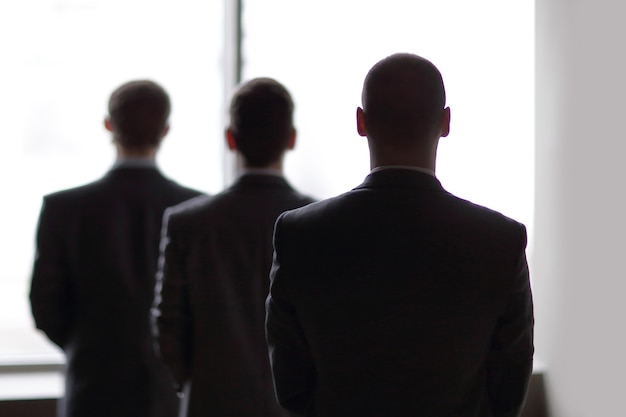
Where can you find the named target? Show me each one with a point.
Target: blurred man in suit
(94, 273)
(216, 261)
(398, 298)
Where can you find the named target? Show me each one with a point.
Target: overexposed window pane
(61, 60)
(322, 51)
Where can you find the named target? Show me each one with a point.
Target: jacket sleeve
(171, 312)
(511, 357)
(290, 356)
(51, 291)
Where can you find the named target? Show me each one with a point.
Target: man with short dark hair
(94, 272)
(138, 115)
(398, 298)
(216, 261)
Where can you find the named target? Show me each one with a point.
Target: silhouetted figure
(94, 272)
(216, 262)
(398, 298)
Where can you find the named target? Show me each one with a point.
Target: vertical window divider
(232, 65)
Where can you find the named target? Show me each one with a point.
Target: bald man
(398, 298)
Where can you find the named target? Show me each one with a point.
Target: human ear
(107, 124)
(445, 123)
(230, 140)
(360, 122)
(292, 140)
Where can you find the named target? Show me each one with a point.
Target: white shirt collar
(261, 171)
(134, 162)
(412, 168)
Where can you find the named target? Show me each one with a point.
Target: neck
(419, 157)
(242, 164)
(145, 153)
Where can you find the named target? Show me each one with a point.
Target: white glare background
(62, 58)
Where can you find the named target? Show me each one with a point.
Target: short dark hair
(403, 97)
(139, 111)
(261, 120)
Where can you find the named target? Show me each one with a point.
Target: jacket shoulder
(188, 210)
(475, 213)
(442, 207)
(67, 195)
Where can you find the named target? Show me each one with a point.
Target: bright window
(322, 51)
(62, 59)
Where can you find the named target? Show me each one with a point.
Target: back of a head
(261, 120)
(403, 99)
(139, 111)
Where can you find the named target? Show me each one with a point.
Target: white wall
(580, 218)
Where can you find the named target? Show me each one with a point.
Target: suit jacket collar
(252, 180)
(401, 178)
(118, 171)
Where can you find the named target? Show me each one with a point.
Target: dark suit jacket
(217, 257)
(400, 299)
(93, 286)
